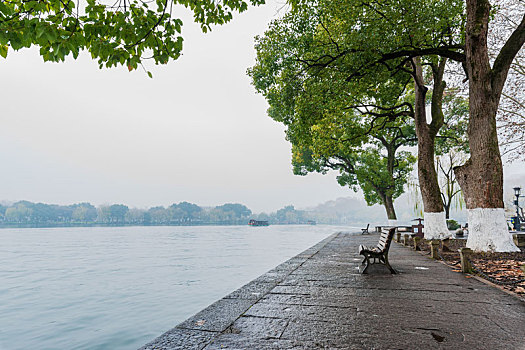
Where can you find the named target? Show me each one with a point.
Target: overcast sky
(196, 132)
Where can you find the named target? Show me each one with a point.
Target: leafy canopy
(333, 123)
(125, 32)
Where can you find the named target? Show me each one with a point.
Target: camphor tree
(125, 32)
(481, 177)
(357, 46)
(328, 124)
(379, 169)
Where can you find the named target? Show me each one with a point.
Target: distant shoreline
(58, 225)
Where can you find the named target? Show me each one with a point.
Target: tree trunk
(389, 206)
(447, 211)
(388, 203)
(434, 215)
(481, 177)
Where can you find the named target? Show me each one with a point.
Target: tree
(2, 211)
(450, 191)
(354, 46)
(229, 213)
(481, 177)
(135, 216)
(289, 215)
(184, 211)
(158, 215)
(84, 212)
(117, 213)
(126, 33)
(18, 213)
(239, 211)
(378, 169)
(452, 148)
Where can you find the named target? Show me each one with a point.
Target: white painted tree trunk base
(392, 222)
(488, 232)
(436, 226)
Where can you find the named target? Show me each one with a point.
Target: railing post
(405, 239)
(398, 237)
(416, 241)
(465, 253)
(434, 246)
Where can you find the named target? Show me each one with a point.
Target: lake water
(120, 287)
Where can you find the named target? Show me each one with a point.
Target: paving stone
(253, 290)
(425, 294)
(181, 339)
(218, 316)
(329, 333)
(304, 312)
(260, 327)
(311, 281)
(237, 342)
(318, 300)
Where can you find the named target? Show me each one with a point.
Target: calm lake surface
(120, 287)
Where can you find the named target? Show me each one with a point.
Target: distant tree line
(28, 214)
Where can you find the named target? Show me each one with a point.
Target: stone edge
(196, 333)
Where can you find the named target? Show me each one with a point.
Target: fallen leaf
(519, 290)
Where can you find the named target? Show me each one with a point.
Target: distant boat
(311, 222)
(258, 223)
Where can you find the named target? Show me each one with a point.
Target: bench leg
(363, 270)
(387, 264)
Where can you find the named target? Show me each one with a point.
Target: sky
(197, 131)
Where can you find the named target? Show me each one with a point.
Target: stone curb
(201, 329)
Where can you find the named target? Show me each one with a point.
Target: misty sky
(196, 132)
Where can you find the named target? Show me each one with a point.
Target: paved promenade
(318, 300)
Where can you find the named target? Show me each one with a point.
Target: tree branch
(506, 55)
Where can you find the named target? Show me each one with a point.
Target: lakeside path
(318, 300)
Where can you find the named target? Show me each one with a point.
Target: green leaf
(3, 50)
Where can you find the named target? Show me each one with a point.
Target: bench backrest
(385, 239)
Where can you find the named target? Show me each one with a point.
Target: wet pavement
(318, 300)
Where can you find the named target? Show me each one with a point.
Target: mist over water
(120, 287)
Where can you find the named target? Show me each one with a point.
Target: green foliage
(125, 33)
(236, 210)
(453, 224)
(338, 74)
(353, 127)
(117, 213)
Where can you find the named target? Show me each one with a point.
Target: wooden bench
(365, 230)
(379, 254)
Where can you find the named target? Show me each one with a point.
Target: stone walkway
(318, 300)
